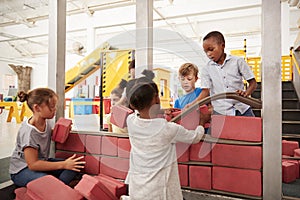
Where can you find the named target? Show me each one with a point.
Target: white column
(144, 36)
(285, 28)
(57, 51)
(90, 32)
(271, 97)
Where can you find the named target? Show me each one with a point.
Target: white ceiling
(179, 26)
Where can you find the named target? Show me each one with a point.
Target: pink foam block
(183, 171)
(75, 142)
(114, 167)
(249, 157)
(296, 162)
(182, 151)
(92, 189)
(190, 121)
(124, 147)
(296, 152)
(65, 154)
(200, 152)
(289, 173)
(117, 188)
(92, 165)
(50, 188)
(109, 146)
(288, 147)
(119, 115)
(200, 177)
(236, 128)
(21, 194)
(61, 130)
(241, 181)
(93, 144)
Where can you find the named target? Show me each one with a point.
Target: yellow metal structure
(115, 67)
(286, 67)
(162, 79)
(84, 68)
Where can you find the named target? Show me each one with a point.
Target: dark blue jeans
(26, 175)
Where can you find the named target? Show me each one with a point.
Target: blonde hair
(187, 68)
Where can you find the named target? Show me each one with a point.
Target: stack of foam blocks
(225, 168)
(290, 161)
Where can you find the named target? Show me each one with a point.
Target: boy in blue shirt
(188, 76)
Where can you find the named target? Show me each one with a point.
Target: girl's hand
(73, 163)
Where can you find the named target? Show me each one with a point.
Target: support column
(90, 32)
(285, 28)
(271, 97)
(57, 51)
(144, 36)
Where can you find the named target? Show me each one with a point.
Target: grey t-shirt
(30, 136)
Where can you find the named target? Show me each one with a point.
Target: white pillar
(285, 28)
(271, 97)
(57, 51)
(144, 36)
(90, 32)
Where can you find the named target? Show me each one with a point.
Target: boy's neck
(222, 59)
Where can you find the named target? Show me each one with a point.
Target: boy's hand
(205, 114)
(242, 93)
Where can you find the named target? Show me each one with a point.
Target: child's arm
(204, 93)
(252, 86)
(34, 164)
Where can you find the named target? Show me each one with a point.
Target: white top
(227, 77)
(153, 170)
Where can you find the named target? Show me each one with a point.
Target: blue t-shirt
(187, 98)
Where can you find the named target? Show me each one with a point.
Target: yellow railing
(294, 60)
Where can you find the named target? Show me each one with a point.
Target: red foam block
(289, 173)
(109, 146)
(116, 187)
(75, 142)
(61, 130)
(236, 128)
(92, 165)
(21, 194)
(92, 189)
(288, 147)
(124, 147)
(200, 177)
(241, 181)
(249, 157)
(183, 171)
(114, 167)
(296, 162)
(200, 152)
(93, 144)
(119, 115)
(50, 188)
(182, 152)
(296, 152)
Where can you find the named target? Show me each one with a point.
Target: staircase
(290, 110)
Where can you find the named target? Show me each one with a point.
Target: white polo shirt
(227, 77)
